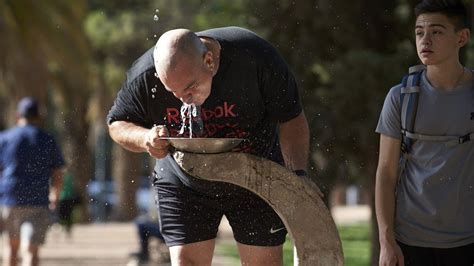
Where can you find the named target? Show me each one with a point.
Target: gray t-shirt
(435, 195)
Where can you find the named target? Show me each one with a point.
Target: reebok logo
(272, 231)
(173, 115)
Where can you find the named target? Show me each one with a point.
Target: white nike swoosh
(272, 231)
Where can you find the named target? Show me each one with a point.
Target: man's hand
(391, 254)
(155, 145)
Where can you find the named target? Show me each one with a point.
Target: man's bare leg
(257, 255)
(199, 253)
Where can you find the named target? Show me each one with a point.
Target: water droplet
(153, 90)
(133, 181)
(156, 18)
(156, 74)
(157, 10)
(161, 169)
(154, 35)
(153, 96)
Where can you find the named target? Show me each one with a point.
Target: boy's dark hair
(453, 9)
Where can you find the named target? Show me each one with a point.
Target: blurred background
(73, 55)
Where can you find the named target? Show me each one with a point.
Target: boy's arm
(386, 180)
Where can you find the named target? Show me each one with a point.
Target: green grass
(355, 244)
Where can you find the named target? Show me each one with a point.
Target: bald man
(243, 89)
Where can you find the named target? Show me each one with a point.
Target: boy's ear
(464, 36)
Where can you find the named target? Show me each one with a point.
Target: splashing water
(190, 113)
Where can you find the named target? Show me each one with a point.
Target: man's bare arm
(129, 135)
(294, 141)
(136, 138)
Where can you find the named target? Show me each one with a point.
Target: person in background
(425, 208)
(68, 199)
(148, 226)
(30, 182)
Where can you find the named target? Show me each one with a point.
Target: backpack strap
(410, 92)
(449, 140)
(409, 95)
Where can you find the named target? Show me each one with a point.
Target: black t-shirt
(251, 93)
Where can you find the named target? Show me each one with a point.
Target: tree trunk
(79, 156)
(126, 174)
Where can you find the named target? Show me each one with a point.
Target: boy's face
(437, 41)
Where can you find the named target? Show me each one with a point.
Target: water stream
(191, 114)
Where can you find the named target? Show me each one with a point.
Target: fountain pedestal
(294, 198)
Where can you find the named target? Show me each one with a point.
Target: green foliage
(350, 105)
(113, 34)
(221, 13)
(118, 37)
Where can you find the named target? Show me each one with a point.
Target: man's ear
(464, 36)
(208, 60)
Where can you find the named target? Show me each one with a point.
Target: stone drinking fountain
(295, 199)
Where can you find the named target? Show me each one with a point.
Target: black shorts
(421, 256)
(189, 215)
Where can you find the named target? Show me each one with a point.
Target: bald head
(177, 45)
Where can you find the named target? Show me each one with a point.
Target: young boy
(426, 212)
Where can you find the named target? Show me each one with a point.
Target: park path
(107, 244)
(104, 244)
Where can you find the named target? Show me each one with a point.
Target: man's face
(190, 82)
(436, 39)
